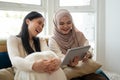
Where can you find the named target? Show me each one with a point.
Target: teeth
(37, 31)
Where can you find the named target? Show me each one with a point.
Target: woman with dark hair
(30, 55)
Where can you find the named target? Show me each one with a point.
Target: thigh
(57, 75)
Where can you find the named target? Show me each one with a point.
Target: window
(85, 22)
(11, 21)
(74, 2)
(36, 2)
(83, 12)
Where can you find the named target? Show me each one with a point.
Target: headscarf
(74, 38)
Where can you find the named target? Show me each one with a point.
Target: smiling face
(64, 24)
(35, 26)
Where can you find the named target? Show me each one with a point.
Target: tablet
(71, 53)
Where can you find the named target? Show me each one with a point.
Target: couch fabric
(4, 60)
(7, 74)
(6, 71)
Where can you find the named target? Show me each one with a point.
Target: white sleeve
(55, 48)
(17, 61)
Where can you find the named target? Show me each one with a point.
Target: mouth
(65, 29)
(37, 31)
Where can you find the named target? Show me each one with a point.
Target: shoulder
(52, 40)
(13, 38)
(43, 39)
(52, 43)
(13, 41)
(79, 32)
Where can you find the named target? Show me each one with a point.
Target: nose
(65, 25)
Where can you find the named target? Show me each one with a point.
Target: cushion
(2, 41)
(4, 60)
(83, 68)
(6, 74)
(3, 47)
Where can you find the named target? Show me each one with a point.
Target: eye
(69, 22)
(42, 25)
(39, 22)
(61, 23)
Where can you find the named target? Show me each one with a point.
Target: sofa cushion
(4, 60)
(83, 68)
(7, 74)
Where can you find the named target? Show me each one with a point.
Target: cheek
(31, 28)
(70, 26)
(60, 28)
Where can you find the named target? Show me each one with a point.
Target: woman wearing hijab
(67, 36)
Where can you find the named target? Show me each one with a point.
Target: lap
(24, 75)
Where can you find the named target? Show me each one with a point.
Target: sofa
(6, 71)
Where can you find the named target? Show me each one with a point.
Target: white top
(23, 63)
(17, 53)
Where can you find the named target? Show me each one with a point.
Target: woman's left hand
(75, 61)
(54, 64)
(86, 57)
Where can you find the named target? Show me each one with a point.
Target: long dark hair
(24, 34)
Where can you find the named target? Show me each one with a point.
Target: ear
(27, 21)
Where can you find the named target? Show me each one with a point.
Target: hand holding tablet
(71, 53)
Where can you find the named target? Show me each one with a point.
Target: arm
(55, 48)
(84, 42)
(90, 52)
(49, 65)
(16, 56)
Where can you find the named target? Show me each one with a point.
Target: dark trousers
(92, 76)
(99, 75)
(99, 71)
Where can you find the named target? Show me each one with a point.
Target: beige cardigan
(55, 48)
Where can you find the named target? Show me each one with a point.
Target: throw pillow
(83, 68)
(6, 74)
(4, 60)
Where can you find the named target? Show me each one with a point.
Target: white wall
(112, 35)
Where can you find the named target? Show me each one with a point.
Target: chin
(65, 32)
